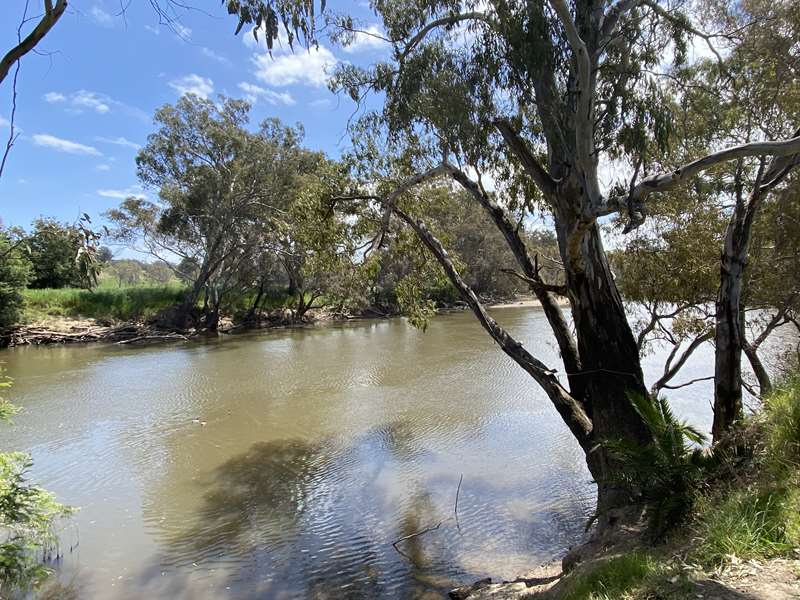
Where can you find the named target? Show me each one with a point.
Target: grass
(116, 304)
(616, 578)
(759, 516)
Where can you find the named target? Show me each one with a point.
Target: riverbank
(128, 316)
(741, 540)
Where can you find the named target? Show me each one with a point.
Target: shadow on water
(288, 518)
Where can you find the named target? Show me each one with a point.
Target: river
(283, 464)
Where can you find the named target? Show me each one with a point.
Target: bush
(15, 271)
(668, 471)
(28, 515)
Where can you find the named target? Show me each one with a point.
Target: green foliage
(668, 471)
(7, 409)
(54, 249)
(747, 524)
(15, 271)
(782, 409)
(124, 304)
(28, 516)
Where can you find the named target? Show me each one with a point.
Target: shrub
(28, 515)
(667, 471)
(15, 270)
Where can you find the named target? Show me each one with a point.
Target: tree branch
(52, 13)
(555, 316)
(12, 134)
(520, 149)
(670, 370)
(444, 21)
(569, 408)
(633, 202)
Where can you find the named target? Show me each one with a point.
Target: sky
(85, 103)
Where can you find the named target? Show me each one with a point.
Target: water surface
(284, 464)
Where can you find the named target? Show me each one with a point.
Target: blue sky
(85, 108)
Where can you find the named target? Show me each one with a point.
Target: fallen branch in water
(413, 535)
(455, 509)
(145, 338)
(432, 528)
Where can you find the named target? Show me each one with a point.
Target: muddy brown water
(283, 464)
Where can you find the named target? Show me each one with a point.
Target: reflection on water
(284, 464)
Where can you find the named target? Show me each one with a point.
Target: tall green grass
(759, 517)
(118, 304)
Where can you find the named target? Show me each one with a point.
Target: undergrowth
(747, 507)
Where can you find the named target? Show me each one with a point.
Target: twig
(413, 535)
(12, 134)
(455, 509)
(675, 387)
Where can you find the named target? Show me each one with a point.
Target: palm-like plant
(668, 471)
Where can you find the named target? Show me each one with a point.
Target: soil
(776, 579)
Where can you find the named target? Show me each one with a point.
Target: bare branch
(682, 385)
(52, 13)
(559, 290)
(671, 369)
(571, 410)
(520, 149)
(663, 182)
(12, 134)
(443, 22)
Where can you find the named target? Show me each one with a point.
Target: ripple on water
(321, 447)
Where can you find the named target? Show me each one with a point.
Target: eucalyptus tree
(709, 245)
(764, 70)
(538, 92)
(221, 188)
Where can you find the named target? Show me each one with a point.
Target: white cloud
(371, 38)
(4, 122)
(254, 92)
(103, 167)
(134, 191)
(101, 17)
(22, 181)
(153, 30)
(61, 145)
(53, 97)
(82, 100)
(181, 31)
(90, 100)
(119, 141)
(320, 103)
(193, 84)
(310, 67)
(209, 53)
